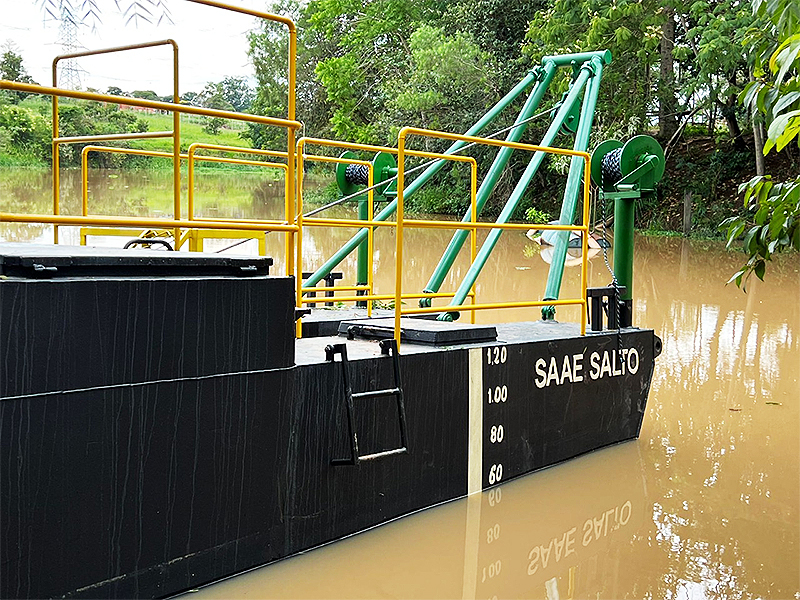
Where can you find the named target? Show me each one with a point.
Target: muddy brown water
(705, 504)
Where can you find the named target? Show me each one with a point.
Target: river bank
(698, 192)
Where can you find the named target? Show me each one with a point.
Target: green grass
(191, 132)
(19, 161)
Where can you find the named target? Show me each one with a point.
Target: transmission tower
(70, 72)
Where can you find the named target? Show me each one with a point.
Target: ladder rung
(382, 454)
(377, 393)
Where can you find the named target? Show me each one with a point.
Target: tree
(715, 70)
(268, 52)
(146, 95)
(11, 69)
(448, 83)
(771, 223)
(498, 27)
(631, 30)
(370, 43)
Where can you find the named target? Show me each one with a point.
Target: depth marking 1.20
(497, 355)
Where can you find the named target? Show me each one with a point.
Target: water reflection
(706, 504)
(703, 505)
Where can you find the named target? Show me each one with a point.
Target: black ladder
(388, 348)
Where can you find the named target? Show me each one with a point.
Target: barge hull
(159, 478)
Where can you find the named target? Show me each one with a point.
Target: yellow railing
(195, 237)
(174, 134)
(294, 223)
(402, 152)
(290, 110)
(369, 224)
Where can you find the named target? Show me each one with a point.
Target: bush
(24, 133)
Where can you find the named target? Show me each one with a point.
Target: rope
(425, 165)
(614, 281)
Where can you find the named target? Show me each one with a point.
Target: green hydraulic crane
(573, 114)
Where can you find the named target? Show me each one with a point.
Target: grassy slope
(191, 132)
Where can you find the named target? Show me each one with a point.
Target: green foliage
(498, 27)
(534, 215)
(441, 199)
(213, 125)
(232, 93)
(629, 29)
(12, 69)
(715, 69)
(771, 226)
(370, 53)
(269, 50)
(448, 83)
(772, 218)
(24, 133)
(146, 95)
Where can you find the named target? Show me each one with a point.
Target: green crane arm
(572, 190)
(531, 78)
(489, 182)
(576, 88)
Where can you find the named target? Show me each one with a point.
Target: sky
(212, 45)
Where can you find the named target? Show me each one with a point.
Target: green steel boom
(587, 72)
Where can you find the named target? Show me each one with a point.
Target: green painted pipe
(623, 244)
(511, 205)
(389, 209)
(572, 189)
(489, 182)
(564, 60)
(363, 265)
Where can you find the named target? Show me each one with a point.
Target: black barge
(162, 428)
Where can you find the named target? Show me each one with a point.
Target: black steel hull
(130, 471)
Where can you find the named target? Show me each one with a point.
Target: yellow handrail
(402, 152)
(191, 155)
(370, 224)
(175, 133)
(290, 112)
(139, 222)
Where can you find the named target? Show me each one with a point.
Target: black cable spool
(357, 174)
(611, 166)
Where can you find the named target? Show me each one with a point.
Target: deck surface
(312, 350)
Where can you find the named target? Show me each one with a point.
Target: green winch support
(533, 77)
(350, 178)
(624, 174)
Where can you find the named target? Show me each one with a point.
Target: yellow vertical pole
(176, 146)
(473, 192)
(56, 178)
(291, 159)
(190, 183)
(84, 182)
(587, 175)
(299, 243)
(398, 252)
(370, 236)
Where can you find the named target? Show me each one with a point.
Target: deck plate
(421, 331)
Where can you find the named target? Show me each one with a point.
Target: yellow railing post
(398, 242)
(175, 133)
